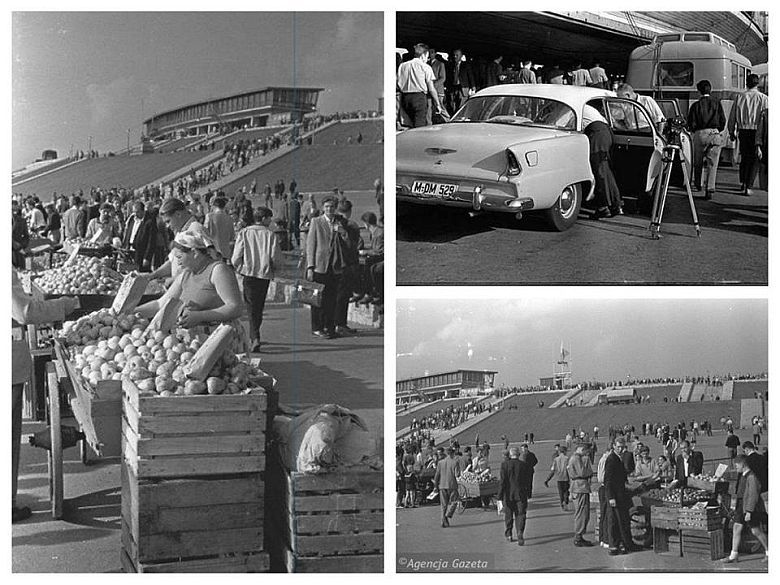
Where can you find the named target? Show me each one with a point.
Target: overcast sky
(79, 74)
(609, 339)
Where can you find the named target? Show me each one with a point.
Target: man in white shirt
(656, 115)
(598, 76)
(743, 122)
(581, 76)
(415, 80)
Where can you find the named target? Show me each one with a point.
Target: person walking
(526, 75)
(580, 471)
(762, 149)
(446, 480)
(706, 120)
(515, 482)
(415, 81)
(750, 510)
(743, 123)
(732, 442)
(530, 458)
(581, 76)
(220, 227)
(559, 471)
(598, 76)
(255, 257)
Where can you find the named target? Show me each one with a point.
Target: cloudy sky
(609, 339)
(81, 74)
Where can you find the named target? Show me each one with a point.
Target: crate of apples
(85, 276)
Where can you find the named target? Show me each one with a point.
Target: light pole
(128, 141)
(89, 150)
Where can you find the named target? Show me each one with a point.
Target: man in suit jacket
(446, 480)
(327, 238)
(141, 236)
(687, 463)
(515, 481)
(618, 500)
(461, 81)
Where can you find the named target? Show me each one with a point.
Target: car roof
(574, 96)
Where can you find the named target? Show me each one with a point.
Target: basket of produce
(476, 485)
(674, 497)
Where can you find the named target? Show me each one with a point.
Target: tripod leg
(666, 175)
(656, 197)
(690, 198)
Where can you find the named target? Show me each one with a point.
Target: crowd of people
(139, 222)
(627, 467)
(450, 417)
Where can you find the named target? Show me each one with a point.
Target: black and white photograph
(197, 292)
(581, 435)
(575, 148)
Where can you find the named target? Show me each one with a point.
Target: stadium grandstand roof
(232, 95)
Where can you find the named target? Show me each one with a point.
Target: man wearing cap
(103, 229)
(415, 81)
(177, 219)
(580, 471)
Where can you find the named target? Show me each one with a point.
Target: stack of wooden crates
(327, 522)
(193, 479)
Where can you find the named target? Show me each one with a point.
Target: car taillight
(512, 166)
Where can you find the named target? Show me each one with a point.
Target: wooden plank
(201, 445)
(343, 523)
(334, 564)
(337, 503)
(184, 493)
(357, 481)
(332, 544)
(257, 562)
(174, 545)
(201, 518)
(221, 403)
(185, 466)
(174, 425)
(55, 423)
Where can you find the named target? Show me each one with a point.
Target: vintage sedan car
(520, 148)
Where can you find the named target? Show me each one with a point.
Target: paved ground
(478, 535)
(443, 247)
(310, 370)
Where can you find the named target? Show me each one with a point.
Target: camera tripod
(670, 154)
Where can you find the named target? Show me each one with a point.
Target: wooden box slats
(331, 522)
(182, 436)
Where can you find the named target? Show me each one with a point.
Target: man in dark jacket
(461, 82)
(530, 458)
(141, 236)
(515, 481)
(618, 500)
(732, 442)
(687, 463)
(758, 464)
(706, 120)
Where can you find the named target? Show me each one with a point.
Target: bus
(670, 67)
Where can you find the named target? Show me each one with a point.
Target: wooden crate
(192, 519)
(700, 543)
(664, 517)
(331, 522)
(700, 518)
(182, 436)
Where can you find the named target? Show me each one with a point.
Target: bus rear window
(697, 37)
(738, 76)
(676, 74)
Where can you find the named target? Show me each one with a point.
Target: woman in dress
(208, 289)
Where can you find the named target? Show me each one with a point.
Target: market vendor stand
(471, 493)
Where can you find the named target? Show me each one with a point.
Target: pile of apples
(471, 477)
(84, 243)
(672, 496)
(119, 347)
(86, 276)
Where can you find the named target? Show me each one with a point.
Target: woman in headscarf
(208, 288)
(606, 192)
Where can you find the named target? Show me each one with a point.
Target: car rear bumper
(478, 197)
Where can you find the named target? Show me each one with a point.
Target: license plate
(429, 189)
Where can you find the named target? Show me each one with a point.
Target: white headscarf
(194, 240)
